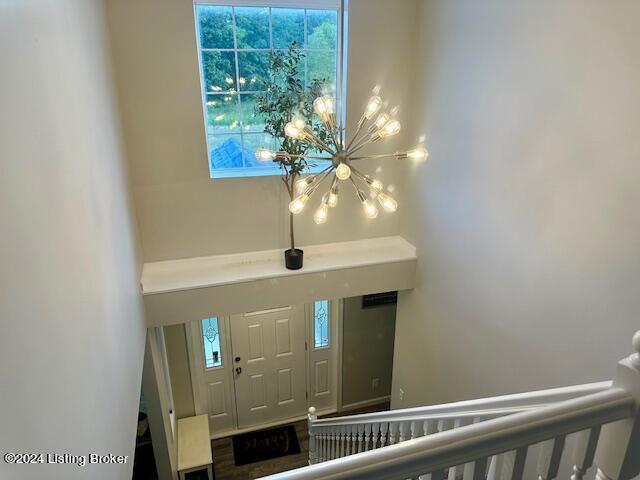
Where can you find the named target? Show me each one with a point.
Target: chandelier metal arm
(332, 127)
(326, 171)
(314, 157)
(376, 157)
(361, 124)
(363, 143)
(310, 135)
(324, 176)
(365, 178)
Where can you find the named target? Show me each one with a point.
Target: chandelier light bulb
(419, 153)
(377, 185)
(343, 172)
(370, 209)
(265, 155)
(391, 128)
(382, 119)
(387, 202)
(329, 103)
(298, 203)
(374, 104)
(332, 201)
(299, 123)
(303, 183)
(292, 131)
(321, 214)
(319, 107)
(323, 106)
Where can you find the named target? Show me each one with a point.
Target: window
(233, 45)
(321, 323)
(211, 343)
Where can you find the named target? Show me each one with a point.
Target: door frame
(194, 347)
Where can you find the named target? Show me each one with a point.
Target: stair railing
(338, 437)
(607, 424)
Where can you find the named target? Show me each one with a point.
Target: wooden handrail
(466, 444)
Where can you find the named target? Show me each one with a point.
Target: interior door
(269, 365)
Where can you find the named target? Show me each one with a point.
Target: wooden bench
(194, 447)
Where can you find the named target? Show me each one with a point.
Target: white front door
(269, 365)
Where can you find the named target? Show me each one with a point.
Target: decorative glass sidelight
(211, 343)
(321, 323)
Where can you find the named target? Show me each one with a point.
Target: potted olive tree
(285, 98)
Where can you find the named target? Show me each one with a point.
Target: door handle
(237, 359)
(238, 370)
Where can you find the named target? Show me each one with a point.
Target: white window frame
(338, 5)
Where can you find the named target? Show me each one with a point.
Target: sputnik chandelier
(385, 125)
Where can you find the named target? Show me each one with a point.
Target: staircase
(491, 438)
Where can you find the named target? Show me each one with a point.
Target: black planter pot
(293, 261)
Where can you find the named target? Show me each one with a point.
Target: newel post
(311, 417)
(618, 454)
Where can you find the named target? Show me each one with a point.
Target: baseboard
(365, 403)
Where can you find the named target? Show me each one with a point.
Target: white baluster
(495, 467)
(384, 427)
(377, 435)
(430, 426)
(350, 440)
(584, 452)
(444, 425)
(393, 432)
(416, 429)
(320, 444)
(341, 441)
(327, 443)
(403, 432)
(367, 432)
(360, 437)
(334, 441)
(549, 459)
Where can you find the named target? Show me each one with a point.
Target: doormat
(265, 444)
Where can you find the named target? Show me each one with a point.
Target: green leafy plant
(286, 97)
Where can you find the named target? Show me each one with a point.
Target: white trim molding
(365, 403)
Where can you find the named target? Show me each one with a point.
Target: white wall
(181, 211)
(71, 320)
(367, 351)
(526, 216)
(178, 359)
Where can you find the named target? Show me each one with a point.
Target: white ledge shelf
(177, 291)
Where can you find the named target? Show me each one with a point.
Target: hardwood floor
(225, 467)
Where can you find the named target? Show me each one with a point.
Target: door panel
(321, 372)
(217, 403)
(270, 378)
